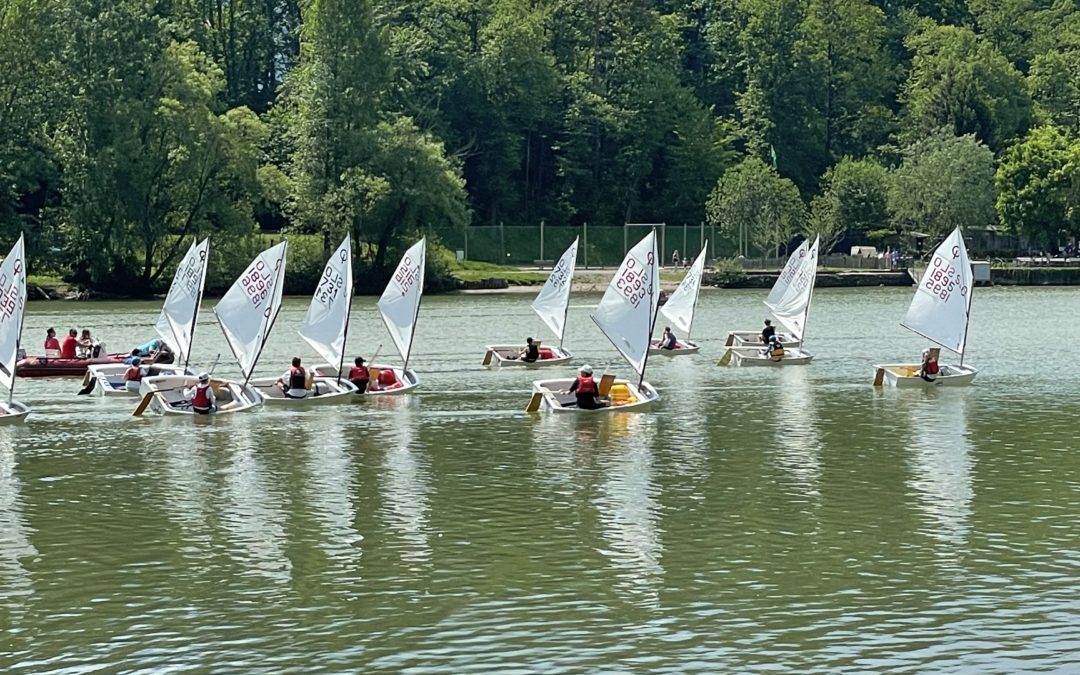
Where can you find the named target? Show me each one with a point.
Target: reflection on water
(795, 425)
(15, 582)
(405, 488)
(254, 515)
(941, 465)
(329, 492)
(187, 492)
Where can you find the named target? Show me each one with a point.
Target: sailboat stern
(509, 356)
(906, 375)
(624, 396)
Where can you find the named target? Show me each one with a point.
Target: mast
(697, 294)
(348, 313)
(566, 307)
(654, 311)
(416, 316)
(198, 303)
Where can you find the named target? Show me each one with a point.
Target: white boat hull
(750, 338)
(324, 391)
(109, 377)
(682, 348)
(905, 375)
(168, 395)
(405, 379)
(754, 356)
(626, 397)
(502, 356)
(13, 412)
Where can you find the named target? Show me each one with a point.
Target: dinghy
(175, 326)
(325, 328)
(625, 315)
(12, 310)
(246, 314)
(791, 310)
(940, 312)
(751, 338)
(551, 305)
(680, 308)
(399, 308)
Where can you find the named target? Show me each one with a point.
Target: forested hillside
(126, 125)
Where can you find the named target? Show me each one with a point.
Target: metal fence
(832, 260)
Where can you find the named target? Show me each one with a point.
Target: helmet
(926, 352)
(204, 377)
(136, 361)
(586, 370)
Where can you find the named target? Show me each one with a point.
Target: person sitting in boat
(584, 387)
(929, 369)
(201, 395)
(667, 340)
(359, 375)
(52, 345)
(134, 374)
(294, 382)
(775, 350)
(767, 332)
(88, 347)
(531, 352)
(148, 349)
(69, 347)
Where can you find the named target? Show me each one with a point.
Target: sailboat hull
(682, 348)
(169, 400)
(13, 412)
(504, 356)
(324, 391)
(906, 375)
(404, 380)
(109, 378)
(754, 356)
(625, 396)
(750, 338)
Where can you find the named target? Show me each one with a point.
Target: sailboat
(325, 328)
(742, 338)
(791, 310)
(12, 310)
(551, 305)
(175, 327)
(680, 308)
(246, 314)
(625, 316)
(939, 311)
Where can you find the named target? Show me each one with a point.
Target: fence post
(585, 248)
(502, 245)
(541, 239)
(466, 242)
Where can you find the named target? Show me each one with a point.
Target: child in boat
(929, 368)
(667, 340)
(584, 387)
(359, 375)
(531, 352)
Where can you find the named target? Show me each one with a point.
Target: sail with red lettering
(626, 312)
(939, 311)
(176, 324)
(400, 302)
(12, 308)
(247, 311)
(554, 299)
(327, 319)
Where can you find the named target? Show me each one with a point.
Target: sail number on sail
(789, 271)
(944, 277)
(407, 274)
(189, 275)
(258, 282)
(560, 276)
(332, 282)
(636, 284)
(11, 299)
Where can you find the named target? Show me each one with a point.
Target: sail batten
(246, 313)
(327, 319)
(941, 304)
(682, 303)
(399, 304)
(626, 312)
(554, 298)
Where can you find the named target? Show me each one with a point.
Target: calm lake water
(789, 520)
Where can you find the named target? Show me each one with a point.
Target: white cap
(204, 377)
(586, 370)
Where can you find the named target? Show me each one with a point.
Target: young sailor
(531, 352)
(293, 383)
(929, 369)
(134, 374)
(359, 375)
(667, 340)
(584, 387)
(201, 395)
(70, 344)
(767, 332)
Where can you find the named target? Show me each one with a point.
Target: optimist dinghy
(175, 326)
(791, 310)
(325, 328)
(680, 308)
(750, 338)
(551, 305)
(940, 312)
(246, 314)
(625, 315)
(12, 311)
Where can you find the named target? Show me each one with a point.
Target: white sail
(788, 273)
(554, 297)
(247, 311)
(625, 313)
(680, 307)
(794, 306)
(328, 315)
(400, 302)
(12, 306)
(176, 325)
(939, 310)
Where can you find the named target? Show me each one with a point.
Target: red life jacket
(201, 399)
(586, 385)
(387, 377)
(52, 343)
(133, 374)
(932, 368)
(297, 378)
(359, 373)
(67, 348)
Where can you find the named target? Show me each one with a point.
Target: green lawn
(469, 270)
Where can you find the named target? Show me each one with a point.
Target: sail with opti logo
(179, 314)
(553, 301)
(791, 268)
(326, 324)
(246, 313)
(682, 303)
(794, 306)
(400, 301)
(626, 312)
(941, 306)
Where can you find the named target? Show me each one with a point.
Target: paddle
(487, 358)
(149, 396)
(534, 402)
(879, 377)
(726, 358)
(89, 382)
(604, 388)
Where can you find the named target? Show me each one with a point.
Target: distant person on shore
(52, 345)
(768, 332)
(675, 258)
(69, 347)
(531, 352)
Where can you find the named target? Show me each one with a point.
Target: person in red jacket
(929, 369)
(69, 345)
(359, 375)
(586, 390)
(51, 343)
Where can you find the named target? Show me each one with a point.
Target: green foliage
(751, 197)
(944, 181)
(853, 201)
(1038, 184)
